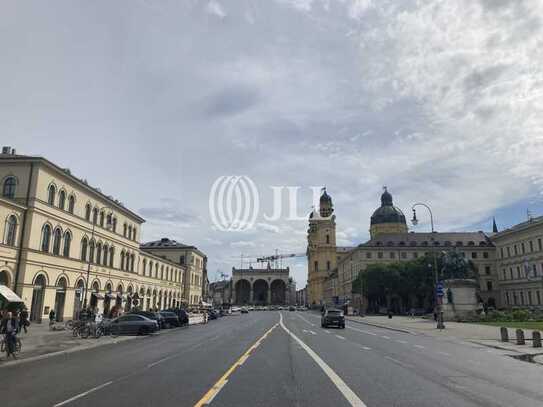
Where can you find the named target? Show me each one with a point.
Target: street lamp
(108, 227)
(415, 221)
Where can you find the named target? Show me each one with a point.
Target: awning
(8, 295)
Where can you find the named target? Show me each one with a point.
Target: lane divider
(345, 390)
(218, 386)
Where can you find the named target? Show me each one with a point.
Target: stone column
(269, 295)
(251, 296)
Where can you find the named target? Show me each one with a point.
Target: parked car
(236, 309)
(132, 324)
(155, 316)
(333, 317)
(244, 310)
(212, 314)
(291, 308)
(170, 319)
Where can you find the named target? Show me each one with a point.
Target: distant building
(301, 297)
(220, 293)
(260, 286)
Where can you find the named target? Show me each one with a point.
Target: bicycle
(4, 347)
(81, 328)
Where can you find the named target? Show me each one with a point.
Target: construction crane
(276, 257)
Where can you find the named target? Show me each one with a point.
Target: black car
(333, 317)
(132, 324)
(291, 308)
(182, 315)
(212, 314)
(170, 319)
(155, 316)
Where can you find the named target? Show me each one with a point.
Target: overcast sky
(151, 101)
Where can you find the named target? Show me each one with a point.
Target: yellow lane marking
(214, 390)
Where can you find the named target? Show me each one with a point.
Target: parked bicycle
(4, 345)
(81, 329)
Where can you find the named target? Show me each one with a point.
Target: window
(99, 253)
(8, 189)
(115, 224)
(531, 246)
(328, 265)
(182, 260)
(92, 246)
(379, 255)
(87, 212)
(316, 266)
(507, 298)
(134, 233)
(95, 215)
(132, 261)
(368, 255)
(150, 269)
(487, 270)
(511, 272)
(111, 256)
(105, 252)
(125, 227)
(538, 298)
(485, 255)
(156, 270)
(522, 298)
(392, 255)
(523, 248)
(122, 260)
(129, 232)
(57, 238)
(102, 217)
(67, 243)
(473, 255)
(45, 238)
(84, 244)
(62, 199)
(109, 221)
(518, 272)
(415, 255)
(516, 249)
(11, 230)
(71, 204)
(404, 255)
(539, 244)
(144, 266)
(501, 252)
(162, 272)
(51, 195)
(529, 297)
(515, 298)
(327, 239)
(489, 285)
(508, 251)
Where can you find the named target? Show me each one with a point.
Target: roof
(66, 172)
(537, 221)
(387, 212)
(166, 243)
(344, 249)
(429, 239)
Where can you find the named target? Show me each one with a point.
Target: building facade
(260, 286)
(190, 258)
(519, 252)
(66, 244)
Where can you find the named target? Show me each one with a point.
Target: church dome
(387, 213)
(325, 198)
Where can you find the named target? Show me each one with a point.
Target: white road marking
(444, 353)
(340, 337)
(345, 390)
(400, 341)
(160, 361)
(83, 394)
(385, 337)
(366, 348)
(305, 320)
(362, 331)
(419, 346)
(327, 332)
(398, 362)
(312, 333)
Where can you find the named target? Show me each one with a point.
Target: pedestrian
(9, 328)
(412, 312)
(23, 320)
(51, 318)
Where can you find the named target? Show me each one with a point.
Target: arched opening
(57, 238)
(154, 299)
(38, 294)
(243, 292)
(260, 292)
(4, 278)
(129, 294)
(78, 298)
(60, 298)
(51, 195)
(94, 295)
(119, 299)
(278, 289)
(107, 299)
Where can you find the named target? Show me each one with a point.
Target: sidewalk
(484, 335)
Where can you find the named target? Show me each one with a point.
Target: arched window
(109, 222)
(129, 232)
(122, 260)
(102, 215)
(8, 189)
(95, 215)
(57, 238)
(71, 204)
(144, 267)
(62, 199)
(150, 269)
(132, 261)
(45, 238)
(87, 212)
(92, 246)
(111, 256)
(156, 270)
(11, 230)
(67, 243)
(162, 272)
(134, 233)
(125, 226)
(84, 244)
(99, 253)
(51, 196)
(114, 224)
(105, 252)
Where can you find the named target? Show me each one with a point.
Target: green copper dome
(387, 213)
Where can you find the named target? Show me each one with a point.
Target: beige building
(55, 225)
(519, 252)
(390, 242)
(190, 258)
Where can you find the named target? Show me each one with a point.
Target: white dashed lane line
(340, 337)
(400, 341)
(419, 346)
(366, 348)
(385, 337)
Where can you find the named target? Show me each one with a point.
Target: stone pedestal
(463, 304)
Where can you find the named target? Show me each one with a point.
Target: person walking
(51, 318)
(24, 323)
(9, 328)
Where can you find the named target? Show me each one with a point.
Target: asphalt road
(276, 359)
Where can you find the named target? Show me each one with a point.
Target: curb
(405, 331)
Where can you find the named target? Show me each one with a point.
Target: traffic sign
(439, 289)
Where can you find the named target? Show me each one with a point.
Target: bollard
(504, 334)
(520, 337)
(536, 338)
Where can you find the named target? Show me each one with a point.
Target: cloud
(232, 100)
(242, 243)
(214, 8)
(171, 212)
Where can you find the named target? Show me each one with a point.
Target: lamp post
(440, 324)
(108, 227)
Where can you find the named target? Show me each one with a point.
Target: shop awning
(8, 295)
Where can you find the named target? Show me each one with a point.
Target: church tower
(321, 248)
